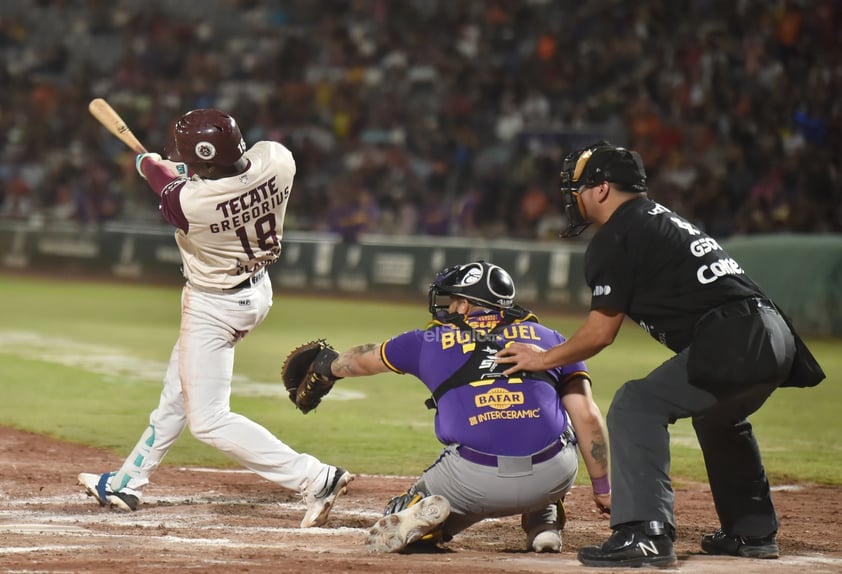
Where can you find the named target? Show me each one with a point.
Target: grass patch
(83, 362)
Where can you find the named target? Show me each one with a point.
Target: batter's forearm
(158, 174)
(359, 361)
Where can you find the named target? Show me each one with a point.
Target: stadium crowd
(436, 117)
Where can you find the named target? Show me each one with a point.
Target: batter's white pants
(197, 390)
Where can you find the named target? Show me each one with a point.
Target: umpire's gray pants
(477, 492)
(640, 452)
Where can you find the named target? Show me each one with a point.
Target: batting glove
(139, 159)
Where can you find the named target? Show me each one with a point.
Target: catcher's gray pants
(639, 440)
(477, 492)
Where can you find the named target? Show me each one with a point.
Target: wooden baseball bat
(108, 117)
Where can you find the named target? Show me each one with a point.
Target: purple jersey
(510, 416)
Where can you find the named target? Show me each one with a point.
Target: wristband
(601, 485)
(139, 159)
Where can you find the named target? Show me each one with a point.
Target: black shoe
(721, 543)
(633, 545)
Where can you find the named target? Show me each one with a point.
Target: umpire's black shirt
(661, 271)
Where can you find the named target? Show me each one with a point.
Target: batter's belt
(493, 460)
(248, 282)
(253, 280)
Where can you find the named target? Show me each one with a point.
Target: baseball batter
(227, 204)
(509, 441)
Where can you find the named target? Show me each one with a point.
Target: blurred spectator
(17, 197)
(352, 214)
(434, 214)
(734, 105)
(466, 223)
(533, 205)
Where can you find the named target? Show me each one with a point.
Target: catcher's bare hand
(521, 357)
(603, 505)
(307, 374)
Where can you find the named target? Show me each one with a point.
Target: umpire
(733, 347)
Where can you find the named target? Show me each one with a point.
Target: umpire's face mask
(571, 189)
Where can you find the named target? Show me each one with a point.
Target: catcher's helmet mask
(591, 166)
(483, 284)
(206, 136)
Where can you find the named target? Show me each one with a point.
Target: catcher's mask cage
(590, 166)
(479, 282)
(206, 136)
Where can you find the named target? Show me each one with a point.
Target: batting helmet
(170, 152)
(479, 282)
(591, 166)
(207, 136)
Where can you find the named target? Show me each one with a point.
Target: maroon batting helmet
(207, 136)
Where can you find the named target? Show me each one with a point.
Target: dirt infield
(203, 520)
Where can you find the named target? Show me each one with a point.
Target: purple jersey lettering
(494, 414)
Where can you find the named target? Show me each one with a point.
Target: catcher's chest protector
(479, 367)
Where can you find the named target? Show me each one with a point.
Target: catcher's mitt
(306, 374)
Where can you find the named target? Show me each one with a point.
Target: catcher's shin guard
(404, 501)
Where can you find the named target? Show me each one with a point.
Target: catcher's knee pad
(408, 499)
(403, 501)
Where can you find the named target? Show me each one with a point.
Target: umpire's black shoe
(721, 543)
(634, 544)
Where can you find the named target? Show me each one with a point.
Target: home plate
(24, 527)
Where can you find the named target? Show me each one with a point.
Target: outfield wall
(802, 273)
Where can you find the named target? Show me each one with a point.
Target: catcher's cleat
(546, 537)
(721, 543)
(394, 532)
(319, 503)
(546, 541)
(96, 485)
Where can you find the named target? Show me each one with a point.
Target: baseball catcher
(306, 374)
(486, 456)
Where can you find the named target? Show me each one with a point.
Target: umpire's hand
(522, 357)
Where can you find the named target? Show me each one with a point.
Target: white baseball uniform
(228, 231)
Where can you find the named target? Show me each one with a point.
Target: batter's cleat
(394, 532)
(721, 543)
(546, 541)
(631, 546)
(319, 503)
(96, 485)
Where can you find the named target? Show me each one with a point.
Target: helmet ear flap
(170, 149)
